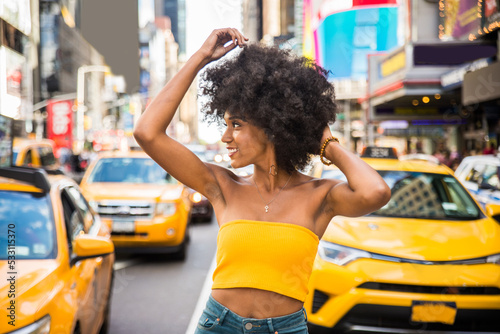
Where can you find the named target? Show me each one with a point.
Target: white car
(480, 175)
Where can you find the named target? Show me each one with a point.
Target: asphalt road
(156, 294)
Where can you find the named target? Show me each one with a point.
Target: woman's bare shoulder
(314, 182)
(224, 174)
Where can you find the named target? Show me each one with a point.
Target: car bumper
(336, 300)
(161, 233)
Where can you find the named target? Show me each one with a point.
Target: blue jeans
(217, 318)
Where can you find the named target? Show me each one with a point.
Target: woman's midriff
(255, 303)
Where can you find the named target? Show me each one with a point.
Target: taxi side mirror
(492, 209)
(86, 247)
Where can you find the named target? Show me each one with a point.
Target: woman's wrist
(201, 58)
(327, 148)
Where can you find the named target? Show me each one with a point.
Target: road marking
(202, 299)
(123, 264)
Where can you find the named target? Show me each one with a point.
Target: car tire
(181, 254)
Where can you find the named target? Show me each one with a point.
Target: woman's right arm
(150, 130)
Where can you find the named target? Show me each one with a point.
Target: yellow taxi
(56, 257)
(429, 260)
(147, 209)
(34, 153)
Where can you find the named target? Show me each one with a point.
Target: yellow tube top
(276, 257)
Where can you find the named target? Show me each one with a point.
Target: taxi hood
(34, 282)
(417, 239)
(131, 191)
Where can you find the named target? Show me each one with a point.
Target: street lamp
(80, 96)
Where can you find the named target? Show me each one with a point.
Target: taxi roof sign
(379, 152)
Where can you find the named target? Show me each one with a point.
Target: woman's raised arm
(365, 190)
(150, 131)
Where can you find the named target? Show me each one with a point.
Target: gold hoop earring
(273, 171)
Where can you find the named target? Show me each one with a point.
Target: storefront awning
(481, 85)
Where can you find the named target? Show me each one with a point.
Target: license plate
(123, 227)
(426, 311)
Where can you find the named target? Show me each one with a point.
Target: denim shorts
(217, 318)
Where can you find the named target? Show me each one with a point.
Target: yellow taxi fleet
(56, 257)
(147, 209)
(429, 260)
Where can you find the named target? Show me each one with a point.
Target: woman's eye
(236, 124)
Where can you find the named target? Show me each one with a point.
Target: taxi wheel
(181, 254)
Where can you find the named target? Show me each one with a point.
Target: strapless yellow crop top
(276, 257)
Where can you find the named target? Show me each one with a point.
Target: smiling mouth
(232, 151)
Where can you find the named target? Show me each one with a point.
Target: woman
(276, 109)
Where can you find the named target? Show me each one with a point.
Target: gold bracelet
(322, 157)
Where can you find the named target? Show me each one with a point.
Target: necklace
(267, 204)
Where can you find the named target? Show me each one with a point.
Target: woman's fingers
(215, 45)
(237, 37)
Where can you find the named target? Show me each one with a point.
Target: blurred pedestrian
(276, 108)
(489, 149)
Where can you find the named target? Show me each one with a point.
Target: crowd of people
(452, 158)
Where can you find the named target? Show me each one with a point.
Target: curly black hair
(289, 97)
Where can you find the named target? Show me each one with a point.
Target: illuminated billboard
(339, 34)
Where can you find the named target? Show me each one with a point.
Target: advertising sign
(17, 13)
(345, 39)
(491, 15)
(458, 18)
(60, 123)
(11, 76)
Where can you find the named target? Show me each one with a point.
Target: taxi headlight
(493, 259)
(41, 326)
(196, 197)
(165, 209)
(340, 255)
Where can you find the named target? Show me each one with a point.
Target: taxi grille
(397, 319)
(441, 290)
(135, 210)
(319, 299)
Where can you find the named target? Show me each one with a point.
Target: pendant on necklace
(267, 208)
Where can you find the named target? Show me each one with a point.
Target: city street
(156, 294)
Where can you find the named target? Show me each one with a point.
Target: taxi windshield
(27, 225)
(129, 170)
(422, 195)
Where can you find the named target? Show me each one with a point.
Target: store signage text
(393, 64)
(455, 77)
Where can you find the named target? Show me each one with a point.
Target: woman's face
(246, 143)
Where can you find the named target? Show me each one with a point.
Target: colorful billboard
(491, 15)
(458, 19)
(60, 123)
(12, 66)
(339, 34)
